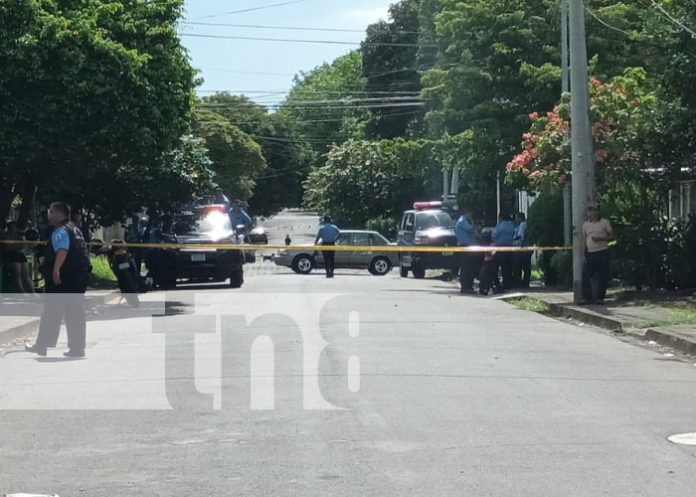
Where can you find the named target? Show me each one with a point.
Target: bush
(545, 228)
(383, 225)
(681, 263)
(562, 265)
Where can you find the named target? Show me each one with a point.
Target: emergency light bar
(214, 208)
(419, 206)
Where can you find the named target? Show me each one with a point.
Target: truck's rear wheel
(237, 278)
(418, 271)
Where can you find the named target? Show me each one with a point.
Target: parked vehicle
(378, 263)
(428, 224)
(202, 225)
(258, 236)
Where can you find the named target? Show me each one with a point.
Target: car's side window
(378, 240)
(344, 239)
(409, 222)
(361, 239)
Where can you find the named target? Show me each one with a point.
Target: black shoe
(586, 302)
(74, 353)
(33, 350)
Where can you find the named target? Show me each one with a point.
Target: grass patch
(102, 277)
(530, 304)
(676, 316)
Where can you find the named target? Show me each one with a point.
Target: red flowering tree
(638, 155)
(621, 113)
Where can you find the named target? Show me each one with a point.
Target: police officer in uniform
(66, 270)
(328, 234)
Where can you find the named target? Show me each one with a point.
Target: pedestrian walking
(504, 236)
(598, 233)
(288, 240)
(327, 236)
(522, 261)
(66, 271)
(468, 261)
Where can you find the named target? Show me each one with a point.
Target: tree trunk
(28, 191)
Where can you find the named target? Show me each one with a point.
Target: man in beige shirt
(597, 232)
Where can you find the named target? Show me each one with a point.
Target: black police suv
(200, 226)
(428, 224)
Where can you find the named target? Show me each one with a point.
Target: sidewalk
(620, 315)
(20, 316)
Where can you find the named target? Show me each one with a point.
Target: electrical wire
(294, 40)
(672, 19)
(604, 23)
(252, 9)
(290, 28)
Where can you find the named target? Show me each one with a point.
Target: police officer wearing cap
(66, 271)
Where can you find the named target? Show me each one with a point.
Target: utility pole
(582, 147)
(498, 197)
(565, 88)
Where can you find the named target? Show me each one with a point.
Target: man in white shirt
(597, 232)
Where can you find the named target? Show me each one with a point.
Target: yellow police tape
(310, 248)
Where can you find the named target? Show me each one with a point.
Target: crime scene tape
(310, 248)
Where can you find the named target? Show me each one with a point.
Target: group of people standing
(514, 267)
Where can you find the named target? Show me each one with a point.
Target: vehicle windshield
(210, 223)
(429, 220)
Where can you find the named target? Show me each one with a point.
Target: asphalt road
(365, 386)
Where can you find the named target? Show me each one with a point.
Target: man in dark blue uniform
(66, 271)
(327, 236)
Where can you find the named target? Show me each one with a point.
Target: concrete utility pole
(565, 88)
(582, 148)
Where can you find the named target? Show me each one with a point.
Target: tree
(236, 158)
(390, 68)
(287, 155)
(365, 180)
(88, 89)
(328, 104)
(633, 177)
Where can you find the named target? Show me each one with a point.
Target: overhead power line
(256, 26)
(290, 28)
(251, 9)
(293, 40)
(247, 72)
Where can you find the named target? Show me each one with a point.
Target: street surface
(379, 387)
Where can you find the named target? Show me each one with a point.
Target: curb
(587, 316)
(13, 334)
(671, 340)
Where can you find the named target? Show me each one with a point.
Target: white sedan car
(378, 263)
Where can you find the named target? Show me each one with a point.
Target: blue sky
(227, 64)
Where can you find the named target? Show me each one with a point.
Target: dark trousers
(329, 260)
(504, 260)
(597, 267)
(64, 301)
(468, 264)
(522, 264)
